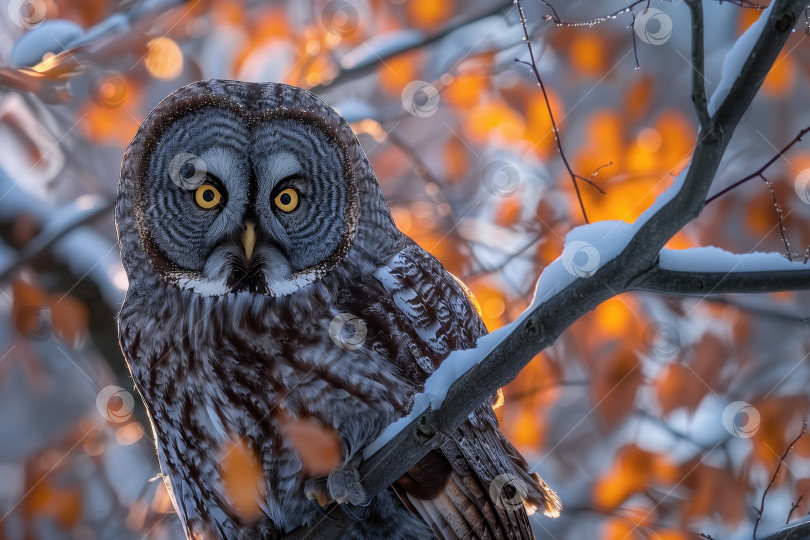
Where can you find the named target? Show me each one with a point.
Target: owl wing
(476, 485)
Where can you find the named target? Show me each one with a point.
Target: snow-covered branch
(600, 261)
(710, 270)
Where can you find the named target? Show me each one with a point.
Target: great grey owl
(251, 224)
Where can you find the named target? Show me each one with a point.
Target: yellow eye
(207, 196)
(287, 200)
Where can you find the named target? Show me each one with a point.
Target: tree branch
(782, 459)
(698, 61)
(660, 280)
(759, 172)
(797, 531)
(363, 68)
(561, 299)
(533, 66)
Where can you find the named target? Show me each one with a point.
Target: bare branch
(533, 66)
(354, 72)
(761, 170)
(793, 507)
(698, 66)
(775, 474)
(49, 237)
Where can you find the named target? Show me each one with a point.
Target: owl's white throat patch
(221, 276)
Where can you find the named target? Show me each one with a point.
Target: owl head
(231, 186)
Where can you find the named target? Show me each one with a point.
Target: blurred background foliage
(624, 415)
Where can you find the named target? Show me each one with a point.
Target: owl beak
(249, 239)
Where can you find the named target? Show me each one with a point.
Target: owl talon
(344, 486)
(321, 510)
(315, 490)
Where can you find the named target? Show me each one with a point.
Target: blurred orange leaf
(632, 472)
(318, 445)
(242, 478)
(428, 13)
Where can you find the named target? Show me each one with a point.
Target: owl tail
(477, 486)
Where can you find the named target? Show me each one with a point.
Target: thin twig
(773, 478)
(533, 66)
(762, 169)
(556, 19)
(780, 217)
(793, 507)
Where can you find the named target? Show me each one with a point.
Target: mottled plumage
(228, 314)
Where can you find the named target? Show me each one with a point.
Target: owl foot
(316, 491)
(344, 485)
(323, 511)
(319, 492)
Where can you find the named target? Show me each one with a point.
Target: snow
(436, 386)
(51, 36)
(714, 259)
(355, 110)
(735, 59)
(372, 49)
